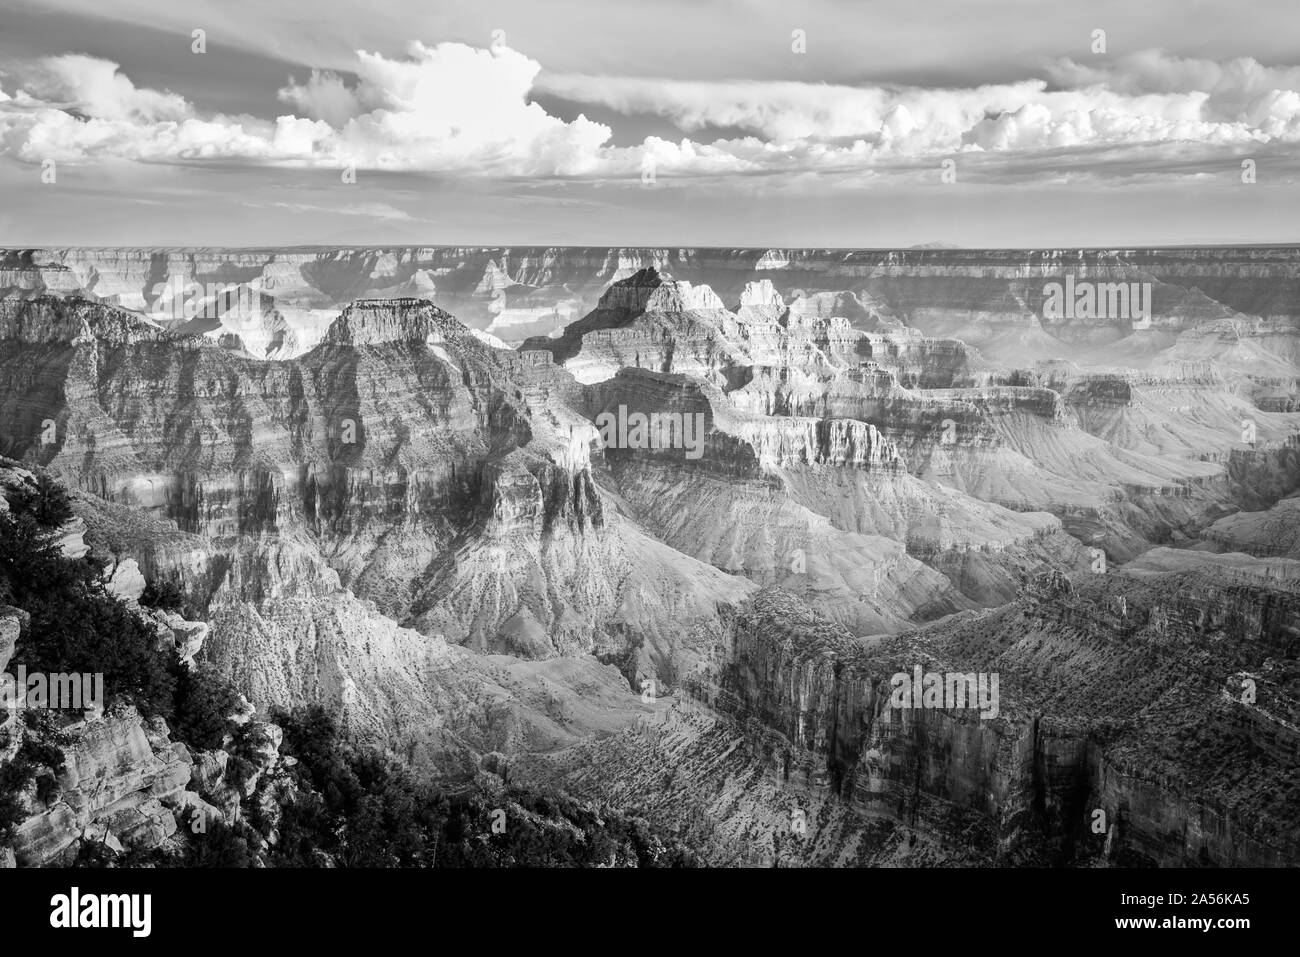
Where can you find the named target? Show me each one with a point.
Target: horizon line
(920, 248)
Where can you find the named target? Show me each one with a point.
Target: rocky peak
(760, 302)
(761, 293)
(651, 290)
(371, 322)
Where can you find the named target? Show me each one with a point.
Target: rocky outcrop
(121, 774)
(1025, 783)
(650, 321)
(124, 581)
(648, 290)
(126, 787)
(12, 621)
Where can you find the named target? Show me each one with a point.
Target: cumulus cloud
(786, 111)
(95, 88)
(445, 108)
(1100, 117)
(454, 108)
(911, 121)
(75, 108)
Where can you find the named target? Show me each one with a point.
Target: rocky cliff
(125, 786)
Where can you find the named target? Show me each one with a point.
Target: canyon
(384, 490)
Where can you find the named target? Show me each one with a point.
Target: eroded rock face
(1029, 778)
(208, 770)
(72, 322)
(116, 779)
(374, 323)
(650, 321)
(126, 786)
(650, 291)
(1265, 533)
(125, 581)
(188, 636)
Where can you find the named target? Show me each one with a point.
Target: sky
(830, 123)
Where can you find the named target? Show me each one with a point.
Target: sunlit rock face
(651, 321)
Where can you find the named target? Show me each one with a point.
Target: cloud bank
(452, 108)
